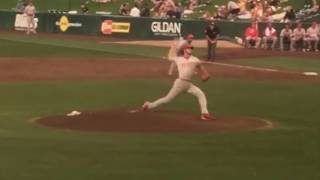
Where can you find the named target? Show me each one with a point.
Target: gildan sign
(166, 28)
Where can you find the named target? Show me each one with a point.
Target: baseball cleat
(206, 117)
(145, 106)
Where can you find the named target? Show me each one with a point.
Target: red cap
(189, 36)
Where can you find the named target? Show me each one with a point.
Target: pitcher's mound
(155, 121)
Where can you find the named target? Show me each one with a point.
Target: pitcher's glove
(205, 78)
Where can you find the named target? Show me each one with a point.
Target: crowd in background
(290, 38)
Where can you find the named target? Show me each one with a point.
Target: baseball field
(266, 103)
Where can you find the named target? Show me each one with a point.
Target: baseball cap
(189, 36)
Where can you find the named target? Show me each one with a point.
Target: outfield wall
(124, 27)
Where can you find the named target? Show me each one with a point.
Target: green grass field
(283, 63)
(32, 152)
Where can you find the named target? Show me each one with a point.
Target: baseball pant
(256, 40)
(273, 40)
(211, 51)
(31, 24)
(315, 40)
(283, 40)
(178, 87)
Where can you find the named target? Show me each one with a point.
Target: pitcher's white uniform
(186, 69)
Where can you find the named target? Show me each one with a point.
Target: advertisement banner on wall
(109, 27)
(64, 24)
(21, 23)
(164, 28)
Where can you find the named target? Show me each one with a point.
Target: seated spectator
(268, 16)
(170, 8)
(252, 38)
(156, 7)
(193, 4)
(145, 12)
(274, 3)
(257, 12)
(179, 10)
(243, 5)
(270, 35)
(221, 13)
(21, 4)
(84, 9)
(124, 9)
(233, 8)
(135, 11)
(312, 36)
(285, 36)
(298, 36)
(290, 15)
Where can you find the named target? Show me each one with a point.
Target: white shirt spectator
(286, 33)
(299, 33)
(135, 12)
(313, 32)
(269, 32)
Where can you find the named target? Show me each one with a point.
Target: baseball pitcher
(187, 66)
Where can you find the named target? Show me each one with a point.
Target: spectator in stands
(124, 9)
(270, 35)
(285, 36)
(290, 15)
(312, 36)
(233, 8)
(179, 10)
(84, 8)
(145, 12)
(135, 11)
(156, 7)
(257, 11)
(222, 12)
(252, 39)
(30, 12)
(298, 38)
(21, 4)
(170, 8)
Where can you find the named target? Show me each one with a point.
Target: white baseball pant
(178, 87)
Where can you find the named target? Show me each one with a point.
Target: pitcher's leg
(176, 89)
(194, 90)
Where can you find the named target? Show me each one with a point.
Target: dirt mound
(148, 122)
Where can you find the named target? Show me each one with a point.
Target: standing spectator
(181, 44)
(290, 15)
(270, 35)
(252, 38)
(30, 12)
(135, 11)
(312, 36)
(212, 32)
(298, 37)
(285, 36)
